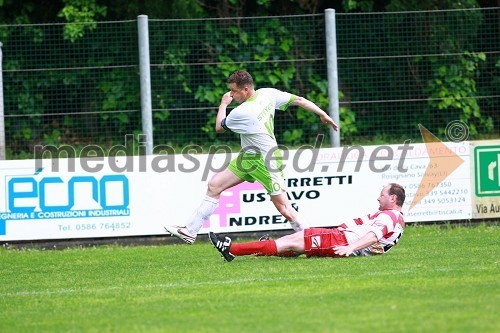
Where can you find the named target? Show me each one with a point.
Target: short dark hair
(399, 192)
(241, 78)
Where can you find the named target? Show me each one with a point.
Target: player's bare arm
(221, 114)
(310, 106)
(365, 241)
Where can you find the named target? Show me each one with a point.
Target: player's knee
(293, 242)
(213, 189)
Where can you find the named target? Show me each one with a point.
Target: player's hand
(343, 251)
(226, 99)
(326, 119)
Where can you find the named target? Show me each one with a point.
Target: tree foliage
(451, 84)
(448, 87)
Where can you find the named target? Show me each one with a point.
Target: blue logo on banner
(28, 198)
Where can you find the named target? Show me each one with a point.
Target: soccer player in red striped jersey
(371, 235)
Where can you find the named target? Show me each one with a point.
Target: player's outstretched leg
(189, 231)
(222, 244)
(181, 233)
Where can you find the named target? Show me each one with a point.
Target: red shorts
(319, 242)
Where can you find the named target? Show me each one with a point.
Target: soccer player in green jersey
(260, 159)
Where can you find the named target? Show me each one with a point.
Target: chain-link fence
(429, 67)
(395, 70)
(191, 60)
(61, 92)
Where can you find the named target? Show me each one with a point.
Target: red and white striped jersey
(387, 225)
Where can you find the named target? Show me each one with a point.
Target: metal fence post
(331, 64)
(2, 117)
(145, 81)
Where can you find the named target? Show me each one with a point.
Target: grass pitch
(438, 279)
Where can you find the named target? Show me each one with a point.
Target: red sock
(260, 248)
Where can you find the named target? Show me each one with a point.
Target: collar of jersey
(253, 98)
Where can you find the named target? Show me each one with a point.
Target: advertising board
(136, 196)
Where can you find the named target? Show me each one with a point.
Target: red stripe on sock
(261, 248)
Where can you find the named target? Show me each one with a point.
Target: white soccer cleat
(181, 233)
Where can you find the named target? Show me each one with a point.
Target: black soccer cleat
(222, 244)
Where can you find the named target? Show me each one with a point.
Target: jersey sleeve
(382, 225)
(282, 99)
(236, 121)
(223, 125)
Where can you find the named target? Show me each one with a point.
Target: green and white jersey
(254, 119)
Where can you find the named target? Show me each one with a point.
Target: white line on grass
(153, 286)
(183, 284)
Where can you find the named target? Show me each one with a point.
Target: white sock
(203, 212)
(298, 223)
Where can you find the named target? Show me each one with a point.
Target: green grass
(439, 279)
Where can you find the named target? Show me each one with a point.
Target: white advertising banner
(136, 196)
